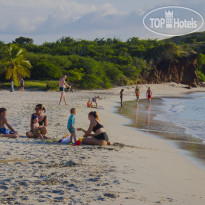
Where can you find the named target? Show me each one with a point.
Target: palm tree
(14, 65)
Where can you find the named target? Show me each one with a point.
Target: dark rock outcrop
(179, 70)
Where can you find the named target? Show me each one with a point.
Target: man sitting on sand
(3, 121)
(62, 86)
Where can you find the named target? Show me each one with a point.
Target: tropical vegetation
(14, 65)
(101, 63)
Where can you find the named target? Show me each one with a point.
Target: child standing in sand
(149, 94)
(3, 121)
(121, 96)
(71, 124)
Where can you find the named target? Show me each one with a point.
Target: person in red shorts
(137, 92)
(149, 94)
(22, 84)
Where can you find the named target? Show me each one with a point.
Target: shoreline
(164, 201)
(179, 141)
(140, 169)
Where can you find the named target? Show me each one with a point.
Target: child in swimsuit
(3, 121)
(149, 94)
(89, 103)
(35, 125)
(71, 125)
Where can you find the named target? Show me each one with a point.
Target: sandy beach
(137, 169)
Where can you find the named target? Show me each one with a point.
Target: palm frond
(8, 74)
(15, 64)
(19, 52)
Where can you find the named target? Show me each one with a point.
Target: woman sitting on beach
(100, 137)
(42, 121)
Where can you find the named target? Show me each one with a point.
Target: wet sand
(142, 117)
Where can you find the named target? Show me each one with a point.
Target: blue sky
(48, 20)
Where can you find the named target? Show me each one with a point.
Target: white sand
(150, 171)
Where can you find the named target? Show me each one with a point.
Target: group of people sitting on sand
(94, 135)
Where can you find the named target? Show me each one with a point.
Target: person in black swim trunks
(62, 86)
(100, 136)
(42, 120)
(121, 97)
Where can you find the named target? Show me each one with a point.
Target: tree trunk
(12, 84)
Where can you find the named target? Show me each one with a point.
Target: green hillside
(104, 63)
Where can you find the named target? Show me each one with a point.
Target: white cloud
(27, 15)
(30, 3)
(107, 9)
(28, 25)
(71, 10)
(80, 18)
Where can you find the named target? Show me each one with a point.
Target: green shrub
(201, 76)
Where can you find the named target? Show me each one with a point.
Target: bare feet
(45, 138)
(9, 135)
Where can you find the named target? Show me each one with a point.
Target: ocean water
(180, 120)
(187, 112)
